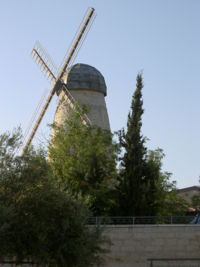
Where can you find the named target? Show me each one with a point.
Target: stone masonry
(87, 86)
(150, 246)
(153, 245)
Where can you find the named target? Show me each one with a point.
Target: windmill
(58, 84)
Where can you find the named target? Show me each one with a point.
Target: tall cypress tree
(132, 186)
(143, 188)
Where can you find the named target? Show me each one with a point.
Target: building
(188, 193)
(87, 85)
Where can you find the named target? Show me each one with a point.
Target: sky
(158, 37)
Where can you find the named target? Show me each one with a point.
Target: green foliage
(161, 194)
(83, 160)
(143, 190)
(132, 182)
(196, 201)
(39, 222)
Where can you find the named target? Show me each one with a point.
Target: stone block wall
(95, 101)
(153, 245)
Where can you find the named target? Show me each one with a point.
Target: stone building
(87, 85)
(188, 192)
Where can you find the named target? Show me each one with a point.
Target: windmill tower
(87, 85)
(75, 85)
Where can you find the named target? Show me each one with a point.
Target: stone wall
(95, 102)
(153, 245)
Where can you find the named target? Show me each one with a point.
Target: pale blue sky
(160, 37)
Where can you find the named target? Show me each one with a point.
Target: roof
(191, 188)
(85, 77)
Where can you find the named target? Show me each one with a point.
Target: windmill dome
(84, 77)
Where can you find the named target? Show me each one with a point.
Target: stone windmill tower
(75, 85)
(87, 85)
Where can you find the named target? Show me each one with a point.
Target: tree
(39, 222)
(196, 201)
(132, 182)
(143, 189)
(83, 161)
(155, 181)
(161, 195)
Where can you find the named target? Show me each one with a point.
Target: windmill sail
(58, 81)
(49, 71)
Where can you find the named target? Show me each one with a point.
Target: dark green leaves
(39, 222)
(83, 161)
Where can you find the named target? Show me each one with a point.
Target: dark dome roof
(82, 76)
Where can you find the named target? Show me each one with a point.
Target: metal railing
(140, 220)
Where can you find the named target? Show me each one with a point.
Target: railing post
(96, 221)
(133, 220)
(171, 219)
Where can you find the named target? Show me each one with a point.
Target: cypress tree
(143, 189)
(132, 185)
